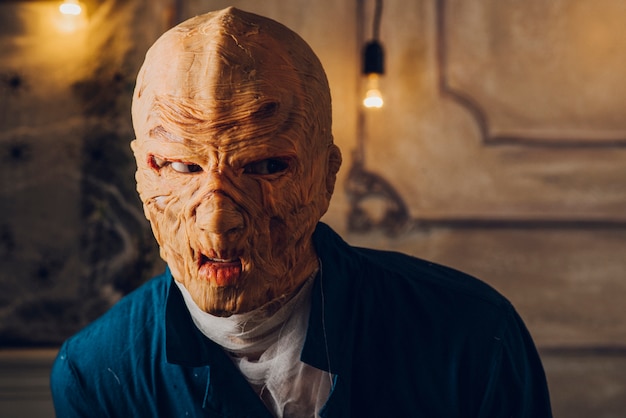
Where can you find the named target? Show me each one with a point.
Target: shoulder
(380, 274)
(91, 371)
(408, 300)
(415, 275)
(131, 314)
(130, 323)
(450, 338)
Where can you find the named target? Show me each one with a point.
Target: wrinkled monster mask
(235, 157)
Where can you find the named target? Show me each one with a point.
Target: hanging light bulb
(373, 96)
(70, 7)
(373, 68)
(374, 63)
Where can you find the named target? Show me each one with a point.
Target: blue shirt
(402, 336)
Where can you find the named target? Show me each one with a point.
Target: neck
(251, 333)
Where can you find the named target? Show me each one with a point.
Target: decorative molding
(481, 117)
(364, 187)
(584, 351)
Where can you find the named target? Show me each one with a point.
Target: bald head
(231, 68)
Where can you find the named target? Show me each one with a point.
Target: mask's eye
(158, 163)
(265, 167)
(185, 167)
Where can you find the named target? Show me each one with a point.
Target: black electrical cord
(378, 12)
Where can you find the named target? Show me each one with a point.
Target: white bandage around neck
(266, 348)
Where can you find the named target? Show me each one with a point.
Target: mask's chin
(218, 301)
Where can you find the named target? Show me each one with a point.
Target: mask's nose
(218, 214)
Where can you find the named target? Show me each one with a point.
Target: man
(263, 310)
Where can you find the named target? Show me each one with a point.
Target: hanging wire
(378, 12)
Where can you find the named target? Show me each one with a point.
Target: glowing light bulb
(373, 68)
(373, 97)
(70, 7)
(71, 17)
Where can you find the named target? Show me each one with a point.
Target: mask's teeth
(205, 259)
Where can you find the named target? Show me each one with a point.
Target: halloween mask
(235, 157)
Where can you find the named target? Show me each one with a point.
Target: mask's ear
(134, 146)
(332, 166)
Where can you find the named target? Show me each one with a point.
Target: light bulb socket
(373, 58)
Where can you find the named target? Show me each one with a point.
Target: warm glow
(373, 97)
(70, 7)
(71, 17)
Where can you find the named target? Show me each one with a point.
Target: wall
(500, 151)
(73, 238)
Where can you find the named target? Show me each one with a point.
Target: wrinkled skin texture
(235, 157)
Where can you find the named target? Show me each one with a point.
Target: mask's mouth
(219, 271)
